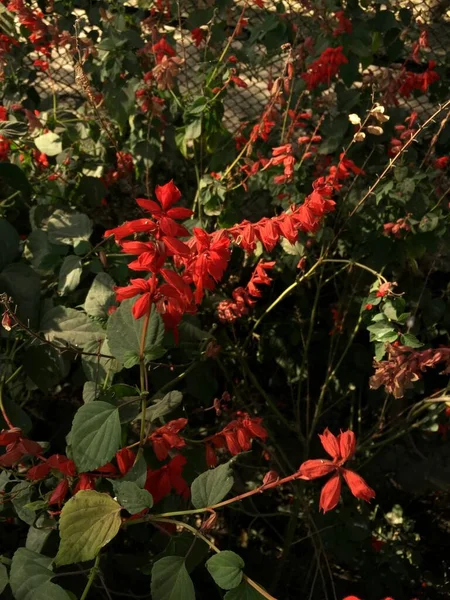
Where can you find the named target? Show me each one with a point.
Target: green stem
(144, 384)
(213, 547)
(2, 406)
(92, 576)
(14, 375)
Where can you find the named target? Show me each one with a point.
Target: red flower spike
(340, 448)
(38, 472)
(160, 482)
(59, 493)
(166, 437)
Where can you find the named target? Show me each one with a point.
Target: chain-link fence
(247, 103)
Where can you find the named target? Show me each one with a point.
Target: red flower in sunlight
(166, 437)
(341, 449)
(210, 261)
(324, 68)
(161, 481)
(127, 229)
(41, 64)
(162, 49)
(237, 436)
(198, 35)
(162, 211)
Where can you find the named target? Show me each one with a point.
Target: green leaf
(49, 143)
(9, 243)
(23, 284)
(100, 296)
(69, 275)
(39, 533)
(243, 592)
(70, 326)
(170, 580)
(21, 496)
(226, 569)
(193, 130)
(408, 339)
(164, 406)
(89, 521)
(95, 435)
(97, 368)
(13, 130)
(30, 577)
(138, 473)
(428, 223)
(4, 580)
(212, 486)
(45, 366)
(132, 497)
(68, 228)
(91, 391)
(15, 178)
(124, 334)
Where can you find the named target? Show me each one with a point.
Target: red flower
(324, 68)
(442, 162)
(166, 437)
(125, 460)
(41, 64)
(162, 49)
(341, 449)
(211, 258)
(16, 447)
(59, 493)
(3, 113)
(4, 148)
(160, 482)
(384, 289)
(198, 35)
(62, 464)
(345, 26)
(167, 195)
(86, 482)
(238, 435)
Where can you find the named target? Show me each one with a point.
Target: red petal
(357, 485)
(38, 472)
(311, 469)
(142, 306)
(347, 444)
(175, 246)
(149, 205)
(167, 194)
(179, 213)
(330, 444)
(62, 464)
(59, 492)
(330, 494)
(125, 460)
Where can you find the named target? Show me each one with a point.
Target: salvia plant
(207, 307)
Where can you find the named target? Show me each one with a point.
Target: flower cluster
(236, 437)
(404, 366)
(418, 81)
(324, 68)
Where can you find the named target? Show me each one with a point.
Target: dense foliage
(203, 315)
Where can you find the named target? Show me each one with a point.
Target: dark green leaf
(70, 326)
(9, 243)
(3, 577)
(164, 406)
(68, 228)
(124, 334)
(138, 473)
(30, 577)
(243, 592)
(15, 178)
(132, 497)
(95, 435)
(100, 296)
(69, 274)
(13, 130)
(226, 569)
(44, 366)
(212, 486)
(170, 580)
(408, 339)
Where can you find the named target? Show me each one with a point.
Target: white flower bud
(354, 119)
(359, 137)
(374, 130)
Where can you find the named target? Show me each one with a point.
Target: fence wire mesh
(263, 66)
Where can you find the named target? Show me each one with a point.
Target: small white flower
(354, 119)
